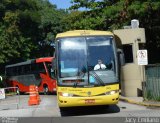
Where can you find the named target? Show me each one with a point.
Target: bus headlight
(65, 94)
(112, 92)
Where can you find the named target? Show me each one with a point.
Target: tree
(99, 14)
(27, 29)
(114, 14)
(11, 39)
(51, 24)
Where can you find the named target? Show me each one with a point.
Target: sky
(61, 4)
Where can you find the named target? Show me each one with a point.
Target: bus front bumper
(88, 101)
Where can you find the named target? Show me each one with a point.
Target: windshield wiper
(98, 78)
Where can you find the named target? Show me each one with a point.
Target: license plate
(89, 101)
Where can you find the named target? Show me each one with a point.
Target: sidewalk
(140, 101)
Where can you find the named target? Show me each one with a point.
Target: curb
(138, 103)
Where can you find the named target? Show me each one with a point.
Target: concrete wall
(131, 35)
(132, 74)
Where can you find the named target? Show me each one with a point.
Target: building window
(128, 53)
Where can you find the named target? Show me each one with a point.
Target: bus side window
(8, 71)
(41, 68)
(11, 71)
(14, 72)
(19, 70)
(27, 69)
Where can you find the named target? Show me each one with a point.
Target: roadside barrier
(39, 99)
(9, 98)
(33, 98)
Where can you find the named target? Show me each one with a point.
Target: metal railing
(9, 98)
(151, 88)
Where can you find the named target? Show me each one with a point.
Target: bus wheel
(45, 90)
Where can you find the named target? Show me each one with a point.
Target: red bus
(32, 72)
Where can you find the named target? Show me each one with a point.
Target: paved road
(48, 108)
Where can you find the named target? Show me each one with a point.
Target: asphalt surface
(49, 112)
(17, 106)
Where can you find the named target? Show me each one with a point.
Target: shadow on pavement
(89, 110)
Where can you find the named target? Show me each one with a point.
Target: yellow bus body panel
(87, 96)
(83, 33)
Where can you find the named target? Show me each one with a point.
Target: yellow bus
(87, 68)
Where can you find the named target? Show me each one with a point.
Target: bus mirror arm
(121, 57)
(55, 73)
(54, 64)
(54, 68)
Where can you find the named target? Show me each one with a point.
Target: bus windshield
(50, 70)
(89, 60)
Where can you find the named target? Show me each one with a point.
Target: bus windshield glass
(50, 70)
(88, 60)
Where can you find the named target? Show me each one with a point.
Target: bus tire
(45, 90)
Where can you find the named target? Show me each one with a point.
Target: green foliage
(114, 14)
(27, 28)
(11, 40)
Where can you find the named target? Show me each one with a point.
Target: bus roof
(82, 33)
(21, 63)
(38, 60)
(45, 59)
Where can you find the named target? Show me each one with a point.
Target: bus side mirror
(121, 57)
(54, 64)
(54, 68)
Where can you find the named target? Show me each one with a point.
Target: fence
(9, 98)
(151, 88)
